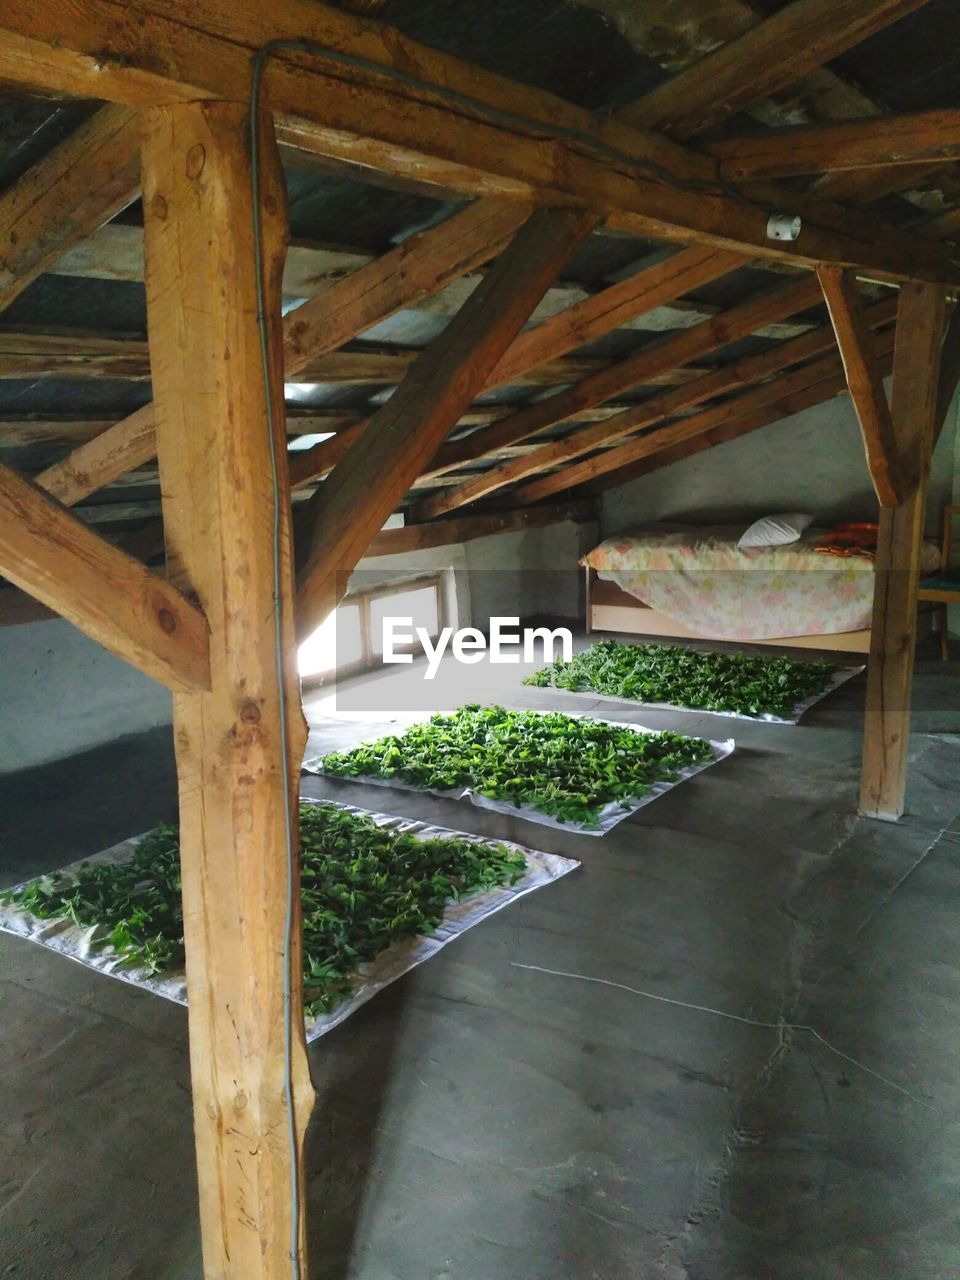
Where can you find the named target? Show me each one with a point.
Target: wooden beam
(770, 56)
(637, 370)
(865, 384)
(894, 629)
(238, 754)
(421, 265)
(642, 183)
(446, 533)
(106, 593)
(74, 189)
(102, 460)
(875, 142)
(610, 307)
(863, 186)
(70, 354)
(647, 414)
(92, 355)
(403, 435)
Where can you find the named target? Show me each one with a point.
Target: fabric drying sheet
(610, 815)
(840, 677)
(80, 944)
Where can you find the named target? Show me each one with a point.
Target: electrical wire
(476, 106)
(646, 168)
(279, 657)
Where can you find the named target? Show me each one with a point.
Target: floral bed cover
(700, 578)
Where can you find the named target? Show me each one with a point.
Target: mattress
(701, 578)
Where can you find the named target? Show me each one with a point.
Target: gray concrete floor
(484, 1121)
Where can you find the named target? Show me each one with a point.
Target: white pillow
(775, 531)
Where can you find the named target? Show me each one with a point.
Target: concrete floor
(484, 1121)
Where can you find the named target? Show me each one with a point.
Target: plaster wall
(813, 461)
(62, 693)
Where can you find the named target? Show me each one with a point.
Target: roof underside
(598, 54)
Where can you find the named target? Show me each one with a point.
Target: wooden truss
(540, 175)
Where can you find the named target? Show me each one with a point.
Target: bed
(686, 582)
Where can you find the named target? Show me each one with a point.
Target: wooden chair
(943, 590)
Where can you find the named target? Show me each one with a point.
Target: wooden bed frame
(611, 609)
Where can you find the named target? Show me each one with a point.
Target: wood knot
(158, 207)
(196, 159)
(167, 620)
(250, 713)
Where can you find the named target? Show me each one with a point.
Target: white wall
(522, 574)
(530, 572)
(813, 461)
(62, 693)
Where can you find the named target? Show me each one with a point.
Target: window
(351, 638)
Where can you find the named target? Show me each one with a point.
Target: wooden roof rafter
(537, 468)
(923, 138)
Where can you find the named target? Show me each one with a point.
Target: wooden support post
(251, 1084)
(893, 639)
(865, 384)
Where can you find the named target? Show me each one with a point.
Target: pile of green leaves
(567, 767)
(688, 678)
(363, 887)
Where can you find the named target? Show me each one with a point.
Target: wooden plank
(611, 307)
(103, 459)
(20, 431)
(401, 437)
(945, 226)
(106, 593)
(886, 730)
(917, 139)
(421, 265)
(446, 533)
(865, 384)
(724, 380)
(92, 355)
(779, 51)
(643, 183)
(863, 186)
(391, 365)
(635, 371)
(238, 754)
(70, 354)
(79, 185)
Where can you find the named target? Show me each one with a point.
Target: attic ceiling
(61, 382)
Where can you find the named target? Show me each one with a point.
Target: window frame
(369, 659)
